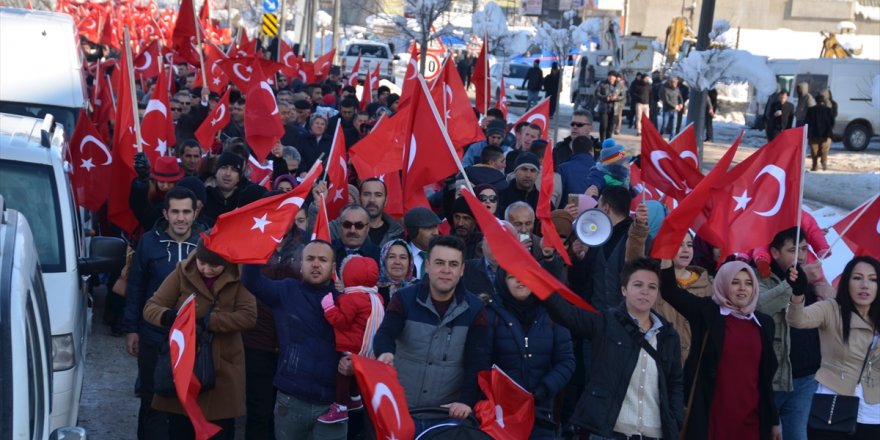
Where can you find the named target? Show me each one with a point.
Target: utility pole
(337, 11)
(697, 106)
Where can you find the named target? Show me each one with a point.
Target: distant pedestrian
(533, 82)
(820, 123)
(465, 68)
(551, 87)
(607, 95)
(780, 115)
(670, 98)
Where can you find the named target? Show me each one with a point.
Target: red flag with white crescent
(261, 224)
(480, 79)
(355, 70)
(216, 120)
(157, 127)
(217, 78)
(673, 172)
(262, 121)
(384, 398)
(371, 83)
(260, 172)
(860, 229)
(91, 160)
(321, 231)
(538, 115)
(124, 149)
(337, 175)
(508, 412)
(455, 108)
(323, 64)
(501, 103)
(146, 65)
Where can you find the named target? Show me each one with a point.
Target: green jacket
(773, 299)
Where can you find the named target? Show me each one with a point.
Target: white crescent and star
(261, 223)
(298, 201)
(690, 155)
(235, 70)
(178, 339)
(382, 391)
(148, 60)
(265, 86)
(656, 157)
(542, 118)
(778, 174)
(99, 144)
(499, 415)
(222, 110)
(156, 105)
(284, 59)
(412, 152)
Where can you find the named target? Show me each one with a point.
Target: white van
(33, 181)
(41, 66)
(371, 53)
(25, 337)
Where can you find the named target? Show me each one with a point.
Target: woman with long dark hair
(849, 336)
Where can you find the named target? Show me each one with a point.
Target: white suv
(371, 53)
(34, 182)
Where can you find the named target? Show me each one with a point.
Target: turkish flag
(384, 398)
(157, 127)
(91, 160)
(217, 78)
(508, 412)
(394, 194)
(409, 77)
(87, 27)
(381, 150)
(240, 70)
(103, 105)
(205, 14)
(291, 63)
(323, 64)
(538, 115)
(321, 230)
(665, 168)
(455, 106)
(246, 47)
(184, 32)
(249, 235)
(260, 173)
(429, 156)
(125, 145)
(109, 35)
(644, 190)
(146, 65)
(673, 229)
(542, 213)
(216, 120)
(262, 121)
(860, 229)
(685, 145)
(761, 195)
(355, 71)
(480, 79)
(515, 259)
(501, 103)
(182, 344)
(371, 83)
(337, 174)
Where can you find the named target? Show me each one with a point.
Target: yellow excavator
(831, 48)
(679, 39)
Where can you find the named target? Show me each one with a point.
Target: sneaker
(335, 414)
(355, 403)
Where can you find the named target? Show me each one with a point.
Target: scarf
(384, 279)
(614, 174)
(377, 313)
(525, 311)
(721, 288)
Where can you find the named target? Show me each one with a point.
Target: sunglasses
(175, 109)
(486, 198)
(580, 124)
(349, 225)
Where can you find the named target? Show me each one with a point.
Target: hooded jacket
(805, 101)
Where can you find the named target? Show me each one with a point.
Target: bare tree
(419, 27)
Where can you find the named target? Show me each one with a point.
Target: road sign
(270, 25)
(270, 5)
(432, 66)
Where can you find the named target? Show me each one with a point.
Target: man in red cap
(149, 187)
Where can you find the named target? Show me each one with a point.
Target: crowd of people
(703, 346)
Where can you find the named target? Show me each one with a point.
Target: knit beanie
(231, 159)
(612, 152)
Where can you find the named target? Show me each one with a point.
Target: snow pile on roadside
(491, 22)
(704, 69)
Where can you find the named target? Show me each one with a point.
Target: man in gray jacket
(608, 94)
(805, 101)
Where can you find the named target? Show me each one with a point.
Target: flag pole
(486, 83)
(332, 147)
(446, 138)
(800, 193)
(863, 209)
(199, 45)
(130, 67)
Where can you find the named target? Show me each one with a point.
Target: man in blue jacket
(307, 361)
(435, 334)
(157, 254)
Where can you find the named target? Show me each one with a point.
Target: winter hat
(285, 178)
(329, 100)
(302, 104)
(527, 159)
(563, 221)
(166, 169)
(360, 271)
(196, 186)
(229, 159)
(496, 127)
(391, 99)
(611, 153)
(419, 217)
(460, 206)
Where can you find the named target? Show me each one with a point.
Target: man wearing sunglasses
(581, 126)
(354, 222)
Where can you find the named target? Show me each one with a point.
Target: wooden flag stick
(800, 195)
(446, 139)
(130, 67)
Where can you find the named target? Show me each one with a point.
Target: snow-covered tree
(491, 23)
(424, 14)
(563, 39)
(704, 69)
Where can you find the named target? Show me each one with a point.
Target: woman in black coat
(729, 371)
(318, 141)
(530, 348)
(635, 384)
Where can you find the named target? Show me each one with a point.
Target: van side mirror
(106, 254)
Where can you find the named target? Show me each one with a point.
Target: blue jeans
(298, 420)
(667, 124)
(534, 97)
(794, 407)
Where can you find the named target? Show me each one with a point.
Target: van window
(367, 51)
(517, 71)
(817, 83)
(31, 189)
(64, 116)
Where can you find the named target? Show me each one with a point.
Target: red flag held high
(217, 79)
(261, 224)
(323, 64)
(337, 175)
(501, 103)
(355, 70)
(685, 144)
(240, 70)
(185, 32)
(182, 342)
(394, 194)
(508, 412)
(516, 260)
(860, 229)
(146, 65)
(262, 121)
(409, 77)
(157, 127)
(455, 107)
(91, 160)
(260, 172)
(384, 398)
(663, 167)
(760, 195)
(381, 150)
(676, 225)
(371, 83)
(216, 120)
(480, 79)
(125, 145)
(538, 115)
(548, 229)
(321, 230)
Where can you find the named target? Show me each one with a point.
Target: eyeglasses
(349, 225)
(488, 198)
(580, 124)
(175, 109)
